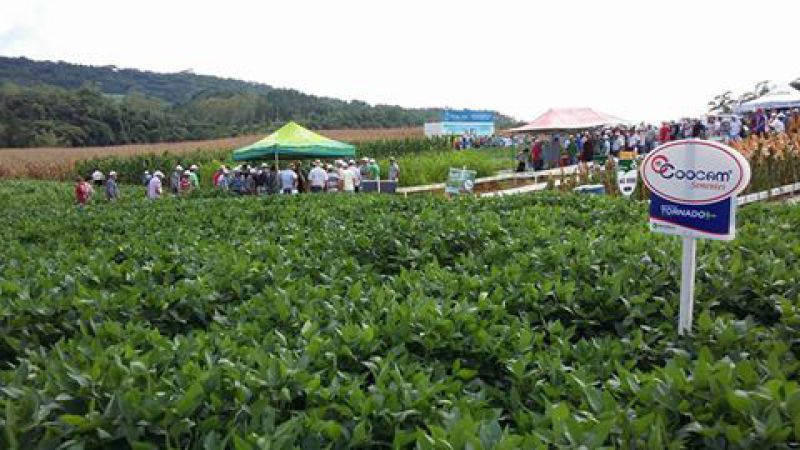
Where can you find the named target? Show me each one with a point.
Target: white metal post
(687, 285)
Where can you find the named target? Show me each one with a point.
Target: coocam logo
(663, 167)
(695, 172)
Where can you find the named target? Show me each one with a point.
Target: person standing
(374, 170)
(98, 178)
(175, 180)
(288, 179)
(83, 192)
(112, 189)
(587, 152)
(154, 186)
(193, 178)
(317, 178)
(776, 124)
(760, 122)
(185, 184)
(356, 170)
(273, 180)
(394, 170)
(348, 181)
(146, 178)
(537, 154)
(332, 183)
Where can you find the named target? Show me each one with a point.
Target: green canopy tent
(294, 142)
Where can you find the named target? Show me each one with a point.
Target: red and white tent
(555, 119)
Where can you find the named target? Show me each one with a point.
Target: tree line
(61, 104)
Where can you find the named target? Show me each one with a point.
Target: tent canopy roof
(783, 96)
(570, 119)
(294, 141)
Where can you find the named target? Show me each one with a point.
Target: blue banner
(711, 221)
(467, 115)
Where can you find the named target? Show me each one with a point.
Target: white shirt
(736, 127)
(777, 125)
(318, 177)
(356, 171)
(154, 188)
(348, 180)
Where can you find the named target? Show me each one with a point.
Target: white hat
(193, 167)
(147, 172)
(264, 165)
(178, 168)
(158, 174)
(186, 172)
(112, 174)
(252, 170)
(372, 160)
(352, 161)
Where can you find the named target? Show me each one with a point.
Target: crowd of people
(547, 151)
(262, 179)
(265, 179)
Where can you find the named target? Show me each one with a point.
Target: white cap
(194, 167)
(158, 174)
(372, 160)
(112, 174)
(186, 172)
(252, 170)
(147, 172)
(178, 168)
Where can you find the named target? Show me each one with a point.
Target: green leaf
(190, 401)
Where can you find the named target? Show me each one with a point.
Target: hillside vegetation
(60, 104)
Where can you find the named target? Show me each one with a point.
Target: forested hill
(45, 103)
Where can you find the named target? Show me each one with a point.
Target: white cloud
(640, 60)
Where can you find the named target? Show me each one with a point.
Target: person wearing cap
(394, 170)
(193, 178)
(98, 178)
(317, 178)
(332, 182)
(154, 186)
(185, 184)
(175, 180)
(112, 190)
(374, 170)
(146, 178)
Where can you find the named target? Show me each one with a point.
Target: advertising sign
(693, 185)
(460, 181)
(467, 115)
(627, 176)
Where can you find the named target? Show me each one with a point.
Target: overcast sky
(634, 59)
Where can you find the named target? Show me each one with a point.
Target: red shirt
(82, 192)
(536, 151)
(664, 134)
